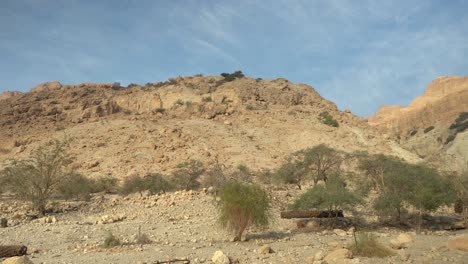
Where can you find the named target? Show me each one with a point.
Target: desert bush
(291, 172)
(459, 183)
(179, 102)
(331, 196)
(107, 184)
(413, 132)
(229, 77)
(142, 238)
(160, 110)
(241, 206)
(132, 85)
(76, 186)
(366, 245)
(215, 177)
(207, 99)
(199, 75)
(38, 178)
(428, 129)
(188, 103)
(187, 174)
(154, 183)
(242, 173)
(111, 241)
(328, 119)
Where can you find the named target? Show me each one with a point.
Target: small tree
(319, 162)
(331, 196)
(187, 174)
(242, 205)
(290, 172)
(38, 178)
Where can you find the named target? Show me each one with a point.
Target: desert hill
(121, 131)
(426, 126)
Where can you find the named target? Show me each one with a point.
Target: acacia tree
(320, 161)
(38, 178)
(187, 174)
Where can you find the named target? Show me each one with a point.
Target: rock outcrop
(140, 129)
(423, 127)
(8, 94)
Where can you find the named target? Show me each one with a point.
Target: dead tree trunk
(12, 251)
(311, 214)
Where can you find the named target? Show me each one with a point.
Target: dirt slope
(123, 131)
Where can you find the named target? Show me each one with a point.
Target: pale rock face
(8, 94)
(18, 260)
(153, 128)
(443, 101)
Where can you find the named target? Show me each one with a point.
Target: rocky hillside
(426, 126)
(236, 120)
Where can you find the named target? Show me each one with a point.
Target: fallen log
(311, 214)
(12, 251)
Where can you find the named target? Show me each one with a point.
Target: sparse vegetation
(242, 173)
(291, 172)
(132, 85)
(207, 99)
(76, 186)
(331, 196)
(111, 241)
(366, 245)
(38, 178)
(160, 110)
(229, 77)
(179, 102)
(241, 206)
(328, 119)
(187, 175)
(413, 132)
(428, 129)
(106, 184)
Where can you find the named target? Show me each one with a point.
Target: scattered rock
(265, 249)
(402, 241)
(459, 244)
(18, 260)
(319, 255)
(220, 258)
(404, 256)
(339, 254)
(340, 232)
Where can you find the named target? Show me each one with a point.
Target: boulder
(220, 258)
(18, 260)
(458, 244)
(339, 254)
(340, 232)
(265, 249)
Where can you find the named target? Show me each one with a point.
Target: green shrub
(76, 186)
(331, 196)
(132, 85)
(37, 179)
(160, 110)
(242, 205)
(366, 245)
(428, 129)
(207, 99)
(154, 183)
(328, 119)
(242, 173)
(107, 184)
(290, 173)
(199, 75)
(111, 241)
(188, 103)
(229, 77)
(215, 177)
(187, 174)
(179, 102)
(414, 132)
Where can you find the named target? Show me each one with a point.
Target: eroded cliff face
(8, 94)
(423, 127)
(124, 131)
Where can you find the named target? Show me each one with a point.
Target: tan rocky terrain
(154, 127)
(183, 225)
(423, 126)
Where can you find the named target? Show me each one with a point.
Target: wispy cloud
(360, 54)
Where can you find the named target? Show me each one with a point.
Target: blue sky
(358, 53)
